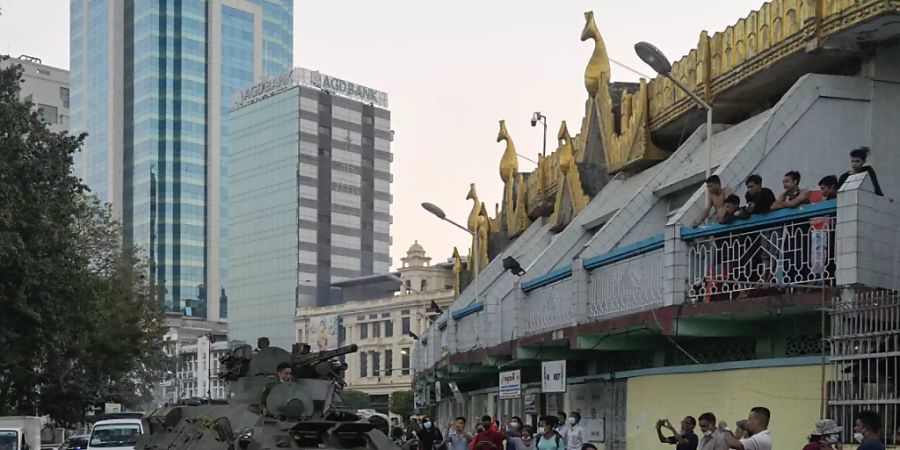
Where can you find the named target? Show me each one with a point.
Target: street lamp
(439, 213)
(655, 58)
(538, 117)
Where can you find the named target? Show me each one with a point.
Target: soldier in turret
(285, 375)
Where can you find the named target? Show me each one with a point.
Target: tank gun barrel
(310, 359)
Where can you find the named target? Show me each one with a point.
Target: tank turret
(263, 411)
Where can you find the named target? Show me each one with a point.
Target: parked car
(77, 442)
(115, 434)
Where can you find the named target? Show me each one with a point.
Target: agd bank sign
(301, 76)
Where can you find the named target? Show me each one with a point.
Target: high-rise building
(151, 83)
(47, 88)
(309, 197)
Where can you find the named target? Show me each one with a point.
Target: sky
(452, 70)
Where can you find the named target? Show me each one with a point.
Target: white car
(115, 434)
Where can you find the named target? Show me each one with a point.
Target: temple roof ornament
(599, 62)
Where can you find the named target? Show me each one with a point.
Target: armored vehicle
(264, 412)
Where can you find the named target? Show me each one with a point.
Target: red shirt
(483, 438)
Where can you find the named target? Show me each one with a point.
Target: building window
(388, 362)
(363, 365)
(64, 96)
(404, 325)
(363, 330)
(376, 364)
(388, 328)
(376, 329)
(49, 113)
(404, 361)
(424, 285)
(387, 314)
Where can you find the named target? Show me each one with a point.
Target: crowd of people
(560, 432)
(566, 432)
(753, 433)
(724, 207)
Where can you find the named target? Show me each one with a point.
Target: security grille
(865, 357)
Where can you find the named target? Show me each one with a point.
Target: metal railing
(548, 308)
(788, 254)
(625, 286)
(865, 360)
(470, 333)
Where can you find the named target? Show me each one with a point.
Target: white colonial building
(386, 328)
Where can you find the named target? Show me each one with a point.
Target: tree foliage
(355, 399)
(402, 404)
(77, 323)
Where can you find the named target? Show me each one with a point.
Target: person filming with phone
(684, 439)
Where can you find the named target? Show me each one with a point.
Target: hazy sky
(452, 69)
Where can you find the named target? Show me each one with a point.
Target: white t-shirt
(563, 430)
(759, 441)
(575, 438)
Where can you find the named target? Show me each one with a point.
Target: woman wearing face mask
(523, 442)
(514, 429)
(430, 434)
(548, 438)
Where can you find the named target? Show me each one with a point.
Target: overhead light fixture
(513, 266)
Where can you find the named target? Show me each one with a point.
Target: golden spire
(509, 166)
(509, 162)
(599, 62)
(472, 222)
(566, 151)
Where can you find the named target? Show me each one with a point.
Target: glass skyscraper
(310, 197)
(151, 83)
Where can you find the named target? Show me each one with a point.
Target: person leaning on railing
(792, 196)
(759, 198)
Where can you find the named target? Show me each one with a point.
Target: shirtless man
(716, 200)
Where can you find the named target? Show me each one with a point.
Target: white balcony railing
(625, 286)
(548, 308)
(470, 332)
(794, 253)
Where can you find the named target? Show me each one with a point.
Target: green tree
(77, 323)
(355, 399)
(402, 403)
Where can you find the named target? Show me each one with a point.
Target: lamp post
(538, 117)
(655, 58)
(439, 213)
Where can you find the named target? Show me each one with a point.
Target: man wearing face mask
(563, 428)
(758, 426)
(866, 427)
(430, 434)
(576, 432)
(713, 438)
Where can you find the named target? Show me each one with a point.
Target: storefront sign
(553, 377)
(112, 408)
(510, 384)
